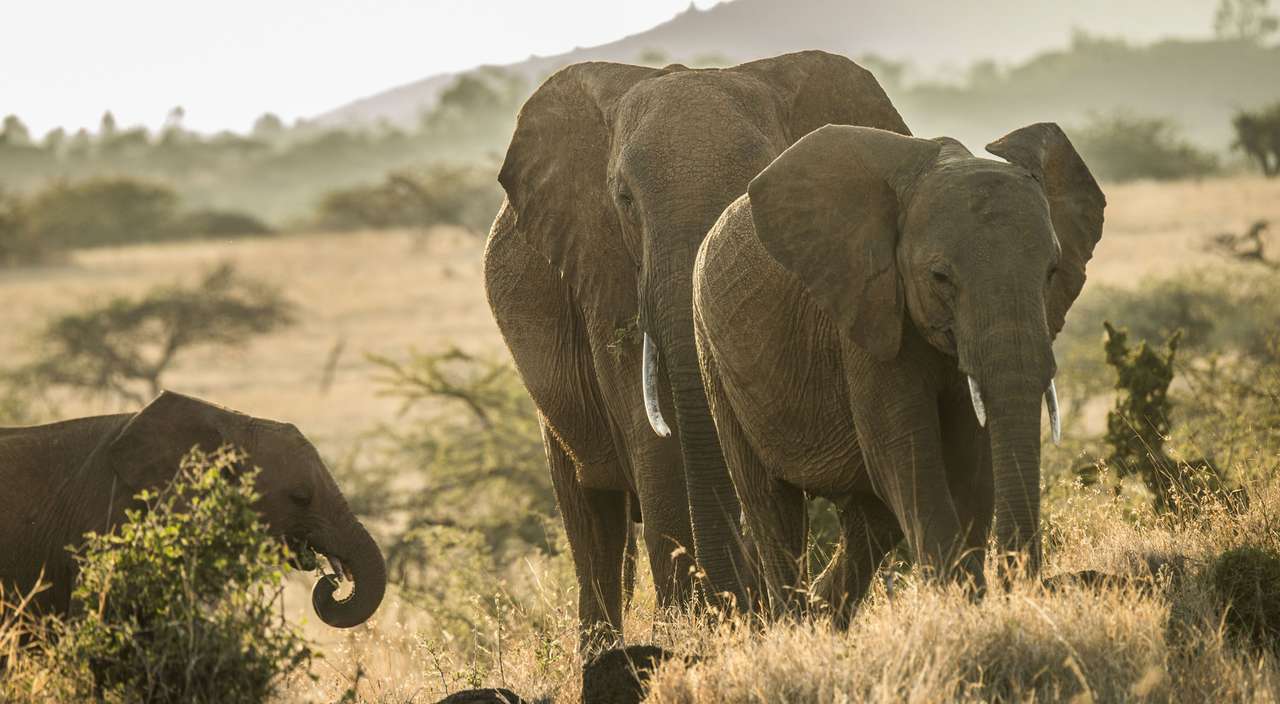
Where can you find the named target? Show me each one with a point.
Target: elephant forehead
(991, 199)
(693, 102)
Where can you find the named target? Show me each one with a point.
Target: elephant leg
(870, 532)
(967, 454)
(776, 513)
(597, 526)
(898, 427)
(669, 543)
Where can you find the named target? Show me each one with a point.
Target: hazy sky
(63, 62)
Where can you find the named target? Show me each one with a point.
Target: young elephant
(61, 480)
(874, 320)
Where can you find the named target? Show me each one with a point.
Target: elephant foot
(621, 675)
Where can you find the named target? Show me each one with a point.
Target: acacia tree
(124, 346)
(1258, 136)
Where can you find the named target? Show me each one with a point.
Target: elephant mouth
(304, 556)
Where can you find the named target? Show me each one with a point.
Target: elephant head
(617, 172)
(299, 500)
(982, 257)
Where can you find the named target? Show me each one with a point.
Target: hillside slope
(936, 37)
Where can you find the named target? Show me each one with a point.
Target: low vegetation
(1124, 147)
(102, 212)
(465, 196)
(180, 604)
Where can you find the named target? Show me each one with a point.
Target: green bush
(17, 243)
(219, 223)
(1123, 147)
(464, 196)
(181, 603)
(102, 211)
(1246, 582)
(470, 448)
(1222, 314)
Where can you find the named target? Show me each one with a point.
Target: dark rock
(621, 675)
(483, 696)
(1094, 580)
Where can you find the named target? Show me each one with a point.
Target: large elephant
(874, 319)
(60, 481)
(613, 177)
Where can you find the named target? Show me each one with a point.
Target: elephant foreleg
(870, 532)
(777, 517)
(597, 527)
(967, 453)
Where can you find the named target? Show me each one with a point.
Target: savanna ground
(513, 624)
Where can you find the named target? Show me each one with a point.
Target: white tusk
(979, 408)
(649, 377)
(1051, 402)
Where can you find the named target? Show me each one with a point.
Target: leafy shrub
(181, 604)
(461, 486)
(102, 211)
(1222, 315)
(125, 345)
(1139, 425)
(1123, 147)
(1246, 581)
(17, 243)
(220, 223)
(465, 196)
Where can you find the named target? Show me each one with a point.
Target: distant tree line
(275, 171)
(106, 211)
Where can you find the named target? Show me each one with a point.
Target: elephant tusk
(339, 569)
(649, 377)
(979, 408)
(1051, 403)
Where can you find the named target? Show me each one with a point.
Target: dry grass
(386, 292)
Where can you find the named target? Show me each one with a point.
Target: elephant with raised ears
(62, 480)
(875, 320)
(614, 175)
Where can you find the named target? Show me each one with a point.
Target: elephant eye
(301, 496)
(625, 199)
(939, 276)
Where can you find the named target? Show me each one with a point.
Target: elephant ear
(818, 88)
(556, 169)
(1075, 205)
(147, 451)
(827, 210)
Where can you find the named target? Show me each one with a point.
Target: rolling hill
(937, 38)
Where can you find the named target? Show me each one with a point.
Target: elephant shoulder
(736, 281)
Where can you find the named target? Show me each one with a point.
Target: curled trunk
(360, 555)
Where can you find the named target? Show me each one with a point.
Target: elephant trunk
(355, 549)
(1015, 462)
(1011, 371)
(714, 510)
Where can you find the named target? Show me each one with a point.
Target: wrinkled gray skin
(843, 306)
(613, 177)
(59, 481)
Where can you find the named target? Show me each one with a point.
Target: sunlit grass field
(384, 293)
